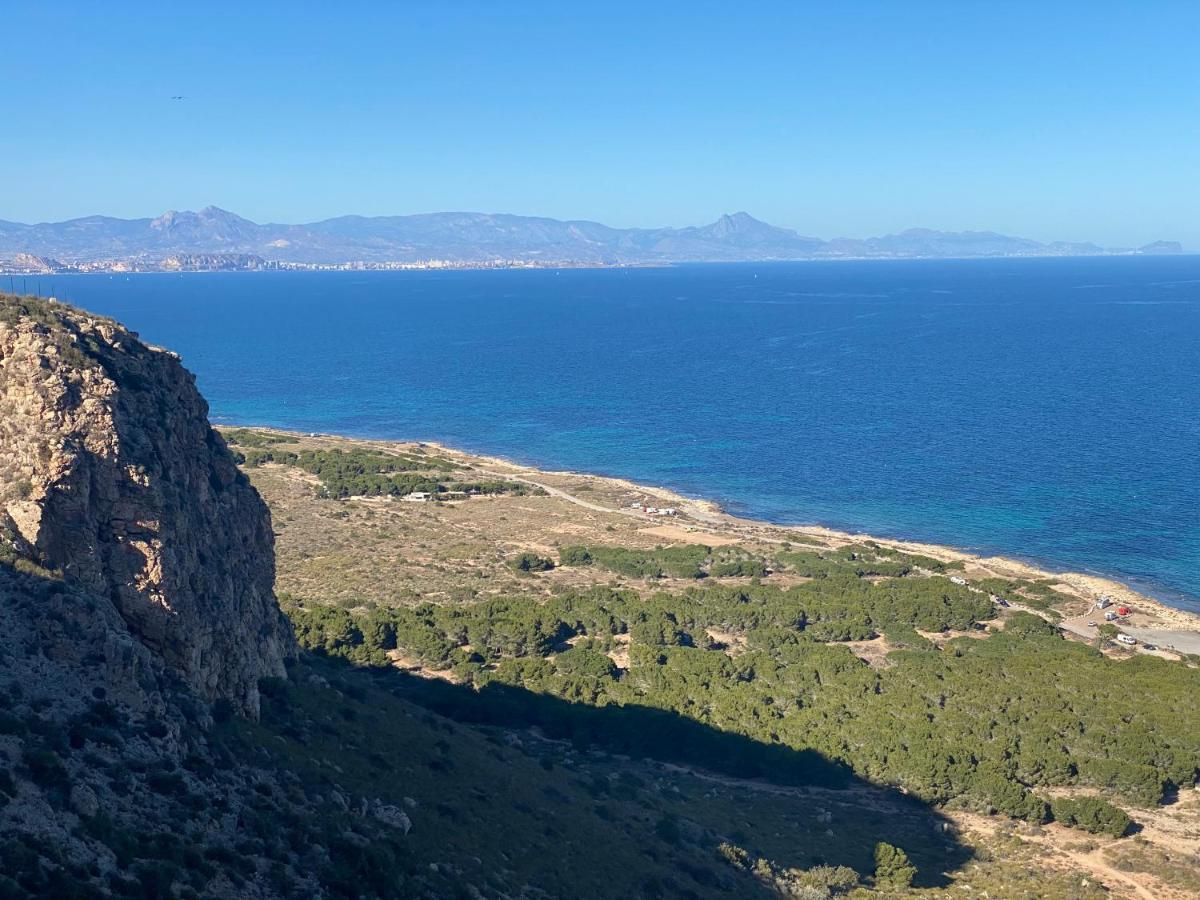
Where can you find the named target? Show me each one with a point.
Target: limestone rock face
(111, 475)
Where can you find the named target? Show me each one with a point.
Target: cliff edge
(111, 477)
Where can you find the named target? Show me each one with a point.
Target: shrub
(574, 556)
(1091, 814)
(531, 562)
(905, 637)
(1028, 625)
(892, 868)
(740, 568)
(46, 769)
(585, 661)
(826, 879)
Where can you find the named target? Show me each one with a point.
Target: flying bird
(179, 97)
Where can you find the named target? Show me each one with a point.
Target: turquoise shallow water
(1048, 409)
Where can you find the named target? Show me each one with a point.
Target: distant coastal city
(28, 264)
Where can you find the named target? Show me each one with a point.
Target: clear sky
(1052, 120)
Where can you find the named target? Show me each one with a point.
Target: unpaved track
(1058, 839)
(559, 492)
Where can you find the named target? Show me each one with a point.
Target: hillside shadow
(864, 814)
(867, 814)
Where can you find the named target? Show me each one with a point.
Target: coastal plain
(457, 549)
(368, 557)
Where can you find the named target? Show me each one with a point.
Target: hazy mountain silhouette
(479, 237)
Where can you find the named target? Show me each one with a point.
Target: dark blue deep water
(1048, 409)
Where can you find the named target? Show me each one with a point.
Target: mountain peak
(741, 220)
(216, 214)
(165, 221)
(211, 224)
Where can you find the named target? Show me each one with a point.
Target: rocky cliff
(111, 476)
(137, 617)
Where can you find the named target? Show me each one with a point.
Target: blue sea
(1044, 408)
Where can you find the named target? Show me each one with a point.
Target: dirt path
(1095, 864)
(852, 795)
(1060, 840)
(558, 492)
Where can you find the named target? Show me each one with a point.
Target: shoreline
(357, 266)
(1152, 616)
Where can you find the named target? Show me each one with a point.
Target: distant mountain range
(215, 238)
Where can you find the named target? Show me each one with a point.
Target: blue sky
(1076, 121)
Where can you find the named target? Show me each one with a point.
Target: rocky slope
(112, 476)
(136, 603)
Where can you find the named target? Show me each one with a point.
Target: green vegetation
(499, 808)
(860, 561)
(1091, 814)
(739, 568)
(575, 556)
(1034, 594)
(496, 486)
(74, 348)
(818, 883)
(246, 437)
(892, 868)
(1174, 867)
(367, 473)
(530, 562)
(684, 561)
(976, 723)
(733, 670)
(905, 637)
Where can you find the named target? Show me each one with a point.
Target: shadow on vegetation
(793, 832)
(866, 814)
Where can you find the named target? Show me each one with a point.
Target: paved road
(1182, 641)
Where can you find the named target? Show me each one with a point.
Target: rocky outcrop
(111, 477)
